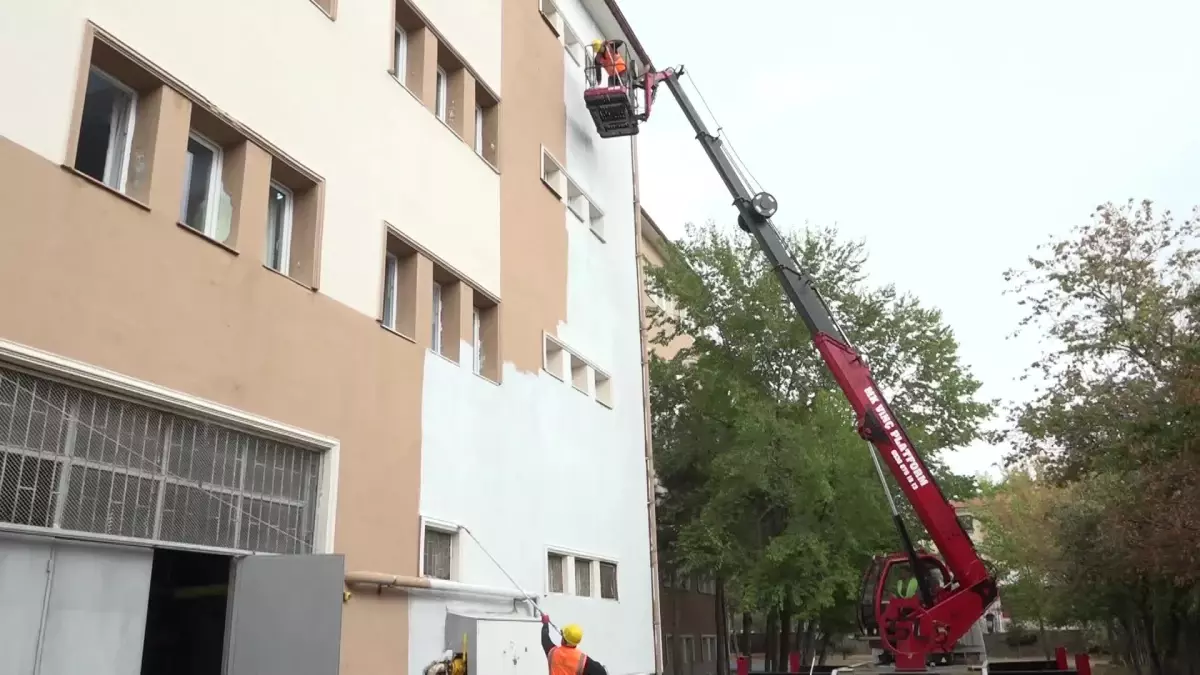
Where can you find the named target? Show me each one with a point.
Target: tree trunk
(1042, 638)
(822, 651)
(785, 626)
(806, 641)
(747, 629)
(771, 640)
(722, 630)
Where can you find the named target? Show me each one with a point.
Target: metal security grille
(608, 581)
(77, 460)
(583, 577)
(439, 553)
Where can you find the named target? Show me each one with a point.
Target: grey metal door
(286, 615)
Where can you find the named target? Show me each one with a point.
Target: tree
(765, 483)
(1115, 421)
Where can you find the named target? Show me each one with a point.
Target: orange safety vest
(567, 661)
(612, 61)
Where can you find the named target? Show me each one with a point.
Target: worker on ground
(906, 585)
(609, 60)
(566, 658)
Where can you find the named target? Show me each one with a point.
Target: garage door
(73, 607)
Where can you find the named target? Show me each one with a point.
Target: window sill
(606, 405)
(491, 166)
(598, 235)
(104, 186)
(395, 332)
(332, 16)
(551, 373)
(550, 24)
(403, 86)
(205, 237)
(553, 190)
(443, 356)
(452, 130)
(585, 392)
(487, 379)
(299, 283)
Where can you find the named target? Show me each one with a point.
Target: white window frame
(441, 85)
(570, 558)
(391, 285)
(476, 340)
(446, 527)
(121, 180)
(554, 356)
(572, 44)
(593, 585)
(285, 248)
(400, 55)
(479, 130)
(213, 209)
(435, 344)
(708, 655)
(568, 583)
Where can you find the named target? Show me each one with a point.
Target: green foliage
(765, 482)
(1111, 432)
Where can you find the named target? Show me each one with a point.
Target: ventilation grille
(75, 460)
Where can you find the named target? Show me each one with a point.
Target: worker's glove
(545, 618)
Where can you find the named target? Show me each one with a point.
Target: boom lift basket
(612, 110)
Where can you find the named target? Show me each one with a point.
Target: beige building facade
(310, 279)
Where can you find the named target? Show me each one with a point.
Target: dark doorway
(185, 621)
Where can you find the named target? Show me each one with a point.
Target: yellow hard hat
(597, 44)
(572, 634)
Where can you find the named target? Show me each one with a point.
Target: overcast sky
(952, 136)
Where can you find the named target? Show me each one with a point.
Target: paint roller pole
(511, 580)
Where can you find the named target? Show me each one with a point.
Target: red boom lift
(912, 628)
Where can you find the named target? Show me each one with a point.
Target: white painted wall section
(318, 89)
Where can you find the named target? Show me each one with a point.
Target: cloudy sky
(952, 136)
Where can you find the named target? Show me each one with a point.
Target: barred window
(583, 577)
(608, 580)
(76, 460)
(439, 553)
(556, 568)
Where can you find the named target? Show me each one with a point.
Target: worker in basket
(906, 584)
(566, 658)
(609, 60)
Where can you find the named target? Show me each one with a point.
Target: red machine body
(912, 628)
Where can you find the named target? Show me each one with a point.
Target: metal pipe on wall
(651, 492)
(406, 583)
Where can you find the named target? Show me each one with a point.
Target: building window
(400, 54)
(608, 580)
(391, 283)
(206, 207)
(436, 336)
(552, 174)
(968, 523)
(479, 130)
(708, 648)
(573, 45)
(688, 648)
(556, 566)
(668, 648)
(604, 389)
(552, 356)
(552, 15)
(583, 577)
(72, 459)
(279, 227)
(707, 586)
(579, 374)
(441, 85)
(439, 553)
(106, 130)
(476, 341)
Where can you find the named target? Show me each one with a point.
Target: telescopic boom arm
(972, 587)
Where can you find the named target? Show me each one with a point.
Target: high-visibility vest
(567, 661)
(906, 589)
(612, 61)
